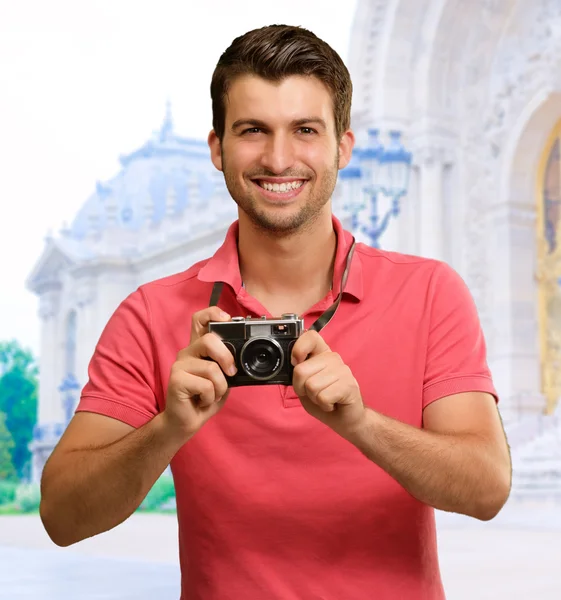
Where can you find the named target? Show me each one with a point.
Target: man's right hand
(197, 387)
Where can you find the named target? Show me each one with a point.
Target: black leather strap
(324, 319)
(216, 292)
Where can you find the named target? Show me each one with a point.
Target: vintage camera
(261, 347)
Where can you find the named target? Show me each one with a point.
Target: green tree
(18, 399)
(7, 470)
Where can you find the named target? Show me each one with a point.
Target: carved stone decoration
(85, 294)
(111, 207)
(427, 154)
(369, 24)
(171, 203)
(524, 62)
(148, 210)
(528, 59)
(194, 193)
(49, 304)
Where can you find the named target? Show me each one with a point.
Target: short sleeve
(456, 359)
(122, 371)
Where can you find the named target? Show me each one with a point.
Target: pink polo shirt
(271, 503)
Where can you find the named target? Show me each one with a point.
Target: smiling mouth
(280, 188)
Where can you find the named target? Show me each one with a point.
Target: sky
(82, 83)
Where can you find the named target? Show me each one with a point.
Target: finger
(192, 387)
(211, 346)
(316, 386)
(201, 319)
(308, 344)
(207, 369)
(311, 373)
(341, 392)
(330, 397)
(327, 398)
(305, 370)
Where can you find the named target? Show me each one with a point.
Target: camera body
(261, 348)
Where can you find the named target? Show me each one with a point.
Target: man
(326, 488)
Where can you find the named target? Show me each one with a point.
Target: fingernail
(224, 315)
(232, 371)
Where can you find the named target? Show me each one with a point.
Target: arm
(92, 487)
(459, 462)
(102, 468)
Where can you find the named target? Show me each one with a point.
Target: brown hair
(276, 52)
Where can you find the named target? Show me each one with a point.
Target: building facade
(475, 87)
(475, 90)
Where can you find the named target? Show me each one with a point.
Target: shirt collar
(224, 264)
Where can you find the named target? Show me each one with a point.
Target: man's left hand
(325, 385)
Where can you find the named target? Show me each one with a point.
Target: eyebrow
(296, 123)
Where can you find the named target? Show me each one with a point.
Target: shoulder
(418, 279)
(397, 264)
(183, 278)
(174, 289)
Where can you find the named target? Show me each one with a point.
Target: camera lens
(261, 358)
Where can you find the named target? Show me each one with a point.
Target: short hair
(274, 53)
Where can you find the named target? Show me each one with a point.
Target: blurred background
(106, 183)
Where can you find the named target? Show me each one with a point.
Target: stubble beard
(272, 222)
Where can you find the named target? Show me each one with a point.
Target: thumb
(201, 319)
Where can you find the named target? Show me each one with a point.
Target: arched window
(70, 344)
(552, 195)
(549, 268)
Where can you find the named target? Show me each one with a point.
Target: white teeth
(281, 187)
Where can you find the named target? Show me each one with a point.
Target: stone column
(86, 337)
(406, 236)
(49, 302)
(513, 342)
(47, 414)
(430, 210)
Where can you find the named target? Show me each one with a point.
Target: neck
(290, 265)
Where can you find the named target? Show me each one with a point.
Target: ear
(346, 146)
(215, 150)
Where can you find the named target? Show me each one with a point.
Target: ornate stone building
(166, 209)
(475, 88)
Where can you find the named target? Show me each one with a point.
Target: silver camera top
(283, 317)
(289, 325)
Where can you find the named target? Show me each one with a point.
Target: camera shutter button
(238, 319)
(289, 316)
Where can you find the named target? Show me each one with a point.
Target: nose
(278, 154)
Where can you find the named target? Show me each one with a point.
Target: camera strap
(324, 319)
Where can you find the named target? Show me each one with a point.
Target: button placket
(289, 397)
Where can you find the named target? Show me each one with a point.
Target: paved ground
(517, 556)
(47, 575)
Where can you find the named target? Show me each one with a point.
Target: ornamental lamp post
(377, 170)
(68, 385)
(351, 176)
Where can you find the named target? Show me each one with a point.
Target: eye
(252, 130)
(307, 130)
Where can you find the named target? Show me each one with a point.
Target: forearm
(451, 472)
(94, 490)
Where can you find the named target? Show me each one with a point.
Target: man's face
(280, 154)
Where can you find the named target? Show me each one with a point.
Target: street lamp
(375, 170)
(68, 385)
